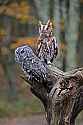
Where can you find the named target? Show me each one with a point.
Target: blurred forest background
(19, 26)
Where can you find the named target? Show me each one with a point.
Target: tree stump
(60, 92)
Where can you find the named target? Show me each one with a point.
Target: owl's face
(45, 30)
(22, 53)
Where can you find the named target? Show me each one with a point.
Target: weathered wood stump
(60, 92)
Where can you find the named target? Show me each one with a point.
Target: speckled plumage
(30, 63)
(47, 48)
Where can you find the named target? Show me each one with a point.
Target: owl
(47, 48)
(31, 65)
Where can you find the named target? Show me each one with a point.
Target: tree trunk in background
(64, 21)
(9, 73)
(80, 47)
(80, 42)
(69, 12)
(51, 9)
(57, 31)
(7, 60)
(42, 8)
(72, 33)
(8, 27)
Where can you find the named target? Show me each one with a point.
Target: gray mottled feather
(29, 62)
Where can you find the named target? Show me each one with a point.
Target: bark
(61, 94)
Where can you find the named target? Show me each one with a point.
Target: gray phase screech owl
(31, 65)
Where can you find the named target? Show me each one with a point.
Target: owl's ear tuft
(40, 23)
(40, 26)
(48, 24)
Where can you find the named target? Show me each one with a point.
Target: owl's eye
(16, 52)
(22, 51)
